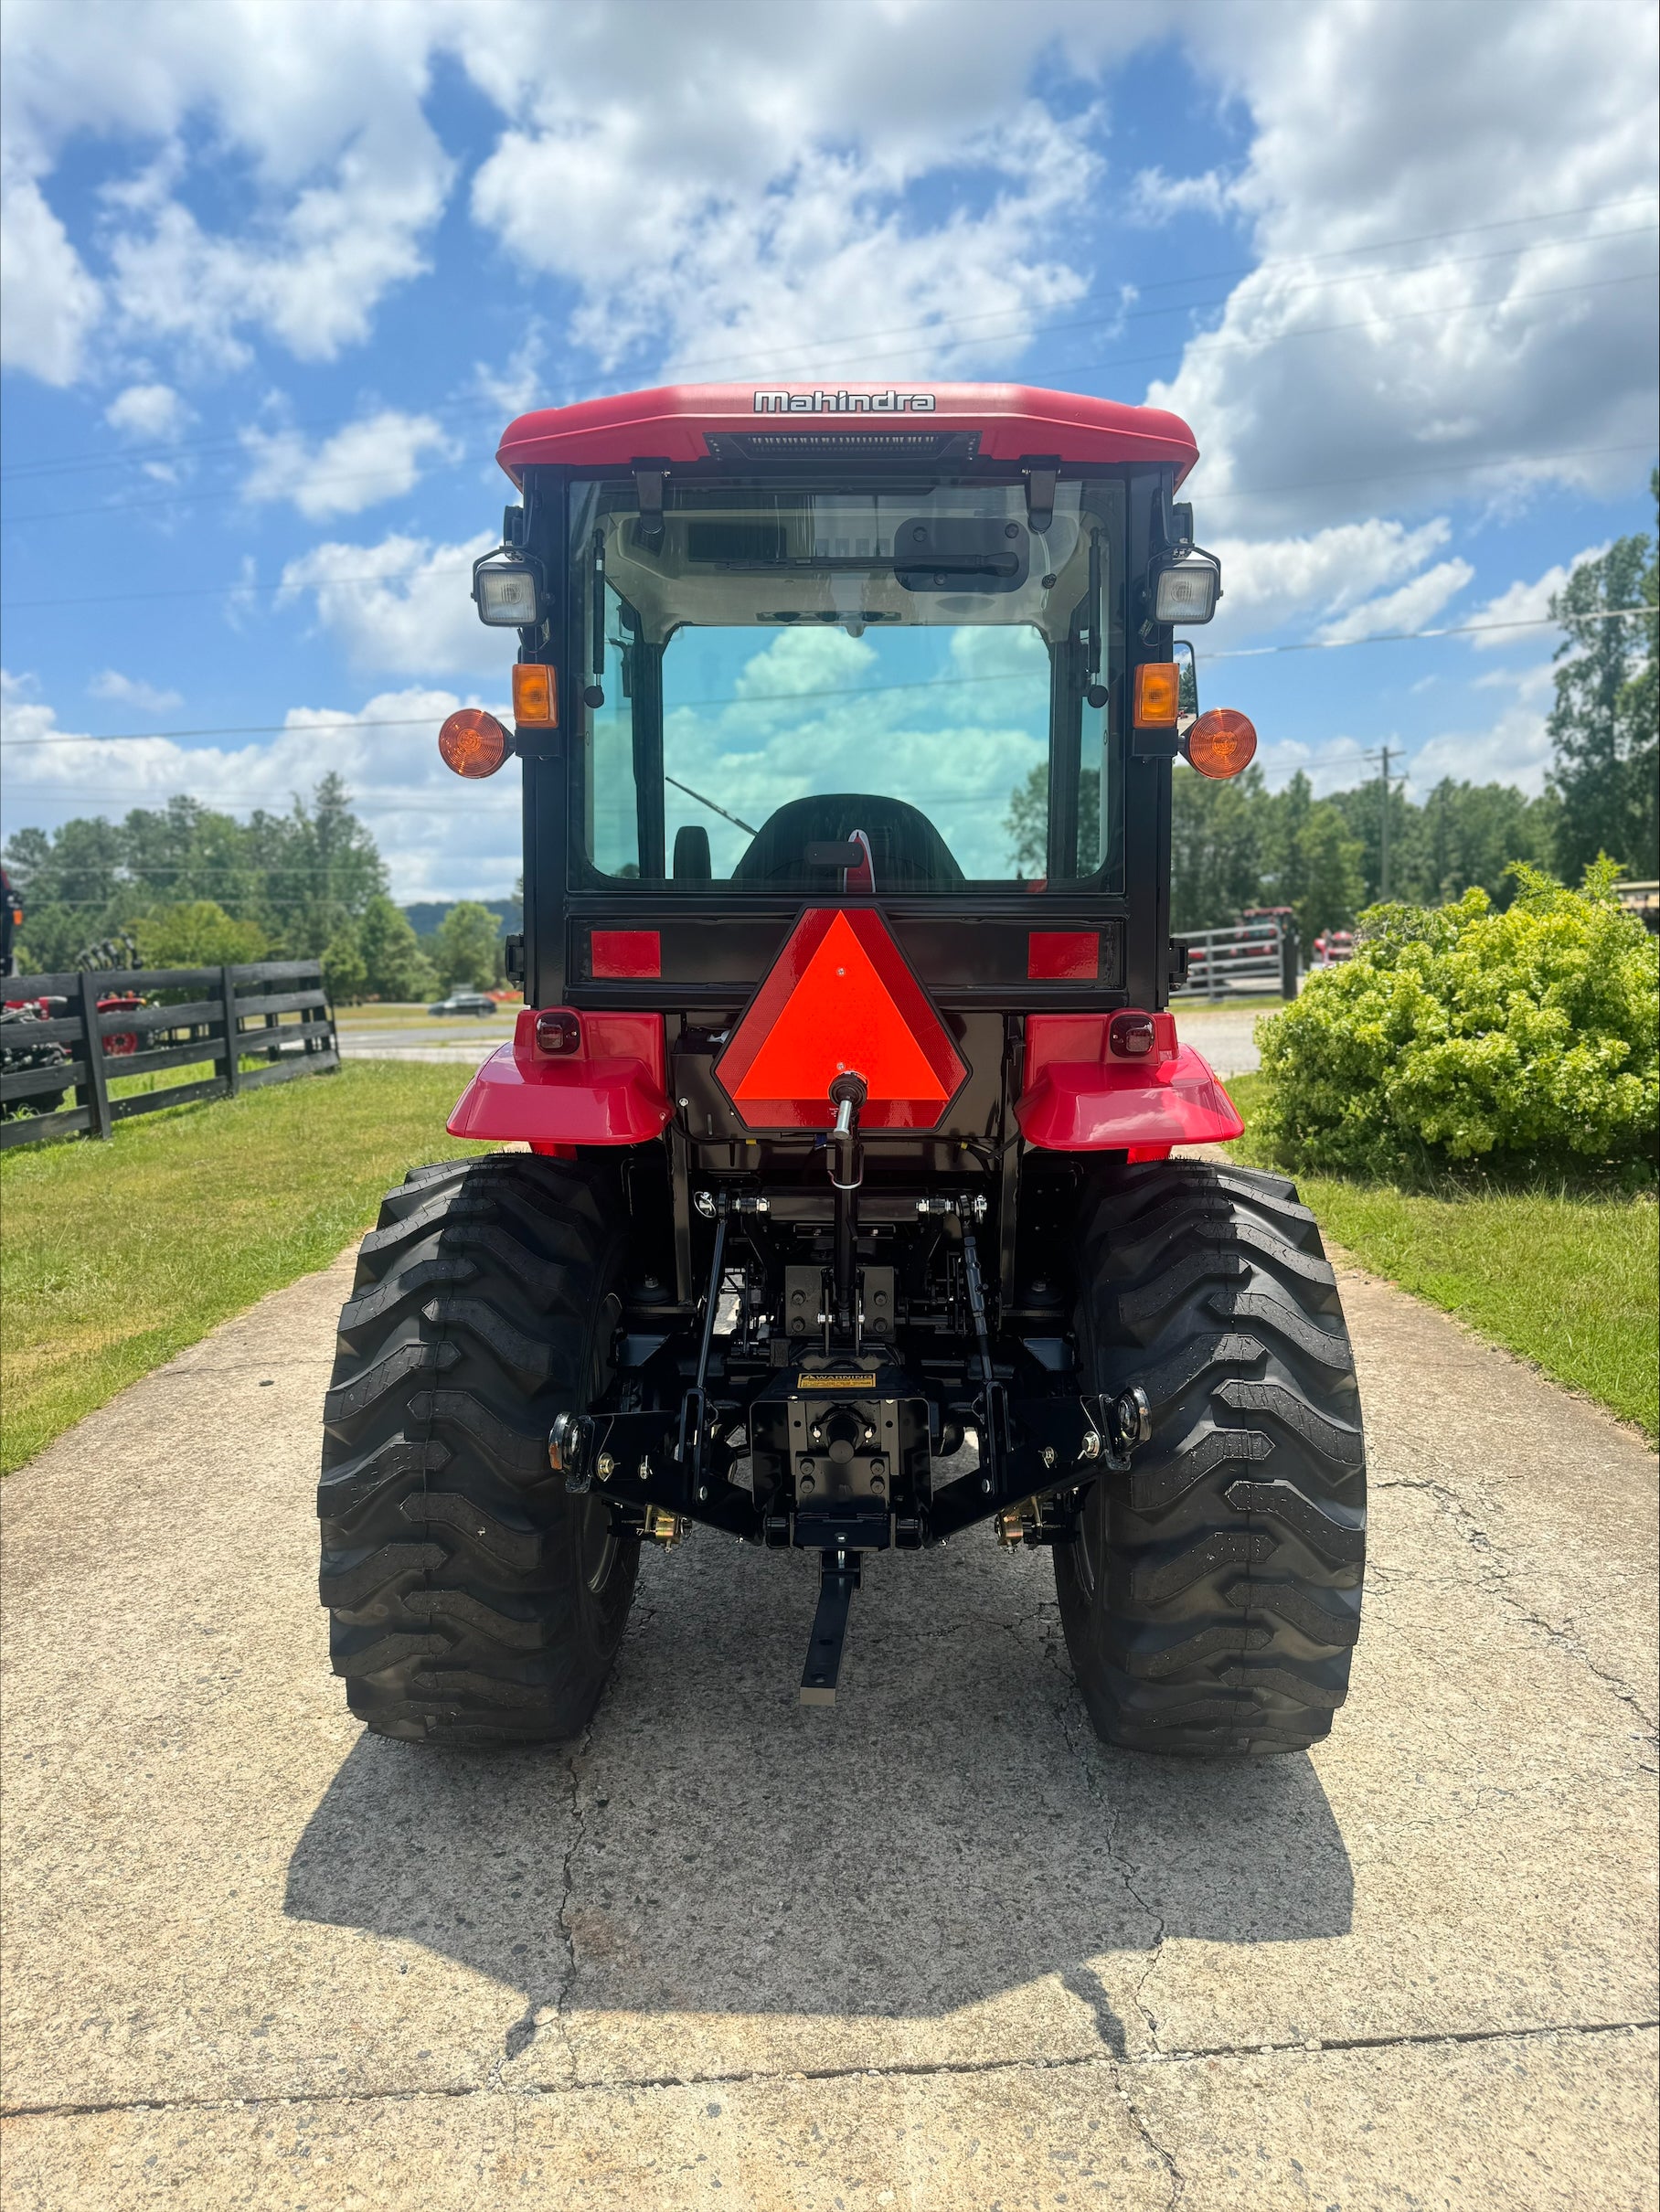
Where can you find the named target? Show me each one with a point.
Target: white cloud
(1334, 763)
(703, 192)
(401, 604)
(1409, 121)
(514, 386)
(153, 412)
(369, 461)
(1157, 198)
(884, 194)
(799, 662)
(1414, 605)
(325, 124)
(1527, 602)
(440, 839)
(132, 691)
(1515, 748)
(742, 208)
(48, 302)
(313, 287)
(1266, 582)
(806, 273)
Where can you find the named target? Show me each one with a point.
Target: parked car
(464, 1001)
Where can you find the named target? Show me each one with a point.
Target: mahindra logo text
(844, 403)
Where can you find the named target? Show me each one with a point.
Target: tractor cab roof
(682, 423)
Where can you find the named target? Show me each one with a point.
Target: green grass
(1565, 1277)
(116, 1256)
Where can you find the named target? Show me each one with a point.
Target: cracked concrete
(935, 1947)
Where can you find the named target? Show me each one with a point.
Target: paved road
(468, 1042)
(935, 1948)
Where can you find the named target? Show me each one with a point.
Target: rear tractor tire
(1211, 1597)
(472, 1599)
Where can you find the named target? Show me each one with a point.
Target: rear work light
(558, 1033)
(1221, 743)
(1157, 695)
(473, 743)
(536, 699)
(1188, 591)
(507, 592)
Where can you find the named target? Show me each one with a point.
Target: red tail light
(557, 1033)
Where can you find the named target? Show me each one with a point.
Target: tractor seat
(907, 851)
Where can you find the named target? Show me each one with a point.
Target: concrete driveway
(1226, 1035)
(935, 1948)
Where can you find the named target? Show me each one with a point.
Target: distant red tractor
(20, 1018)
(853, 1215)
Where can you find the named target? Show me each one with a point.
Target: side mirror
(1187, 683)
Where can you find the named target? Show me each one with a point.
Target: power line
(1454, 468)
(192, 499)
(1137, 315)
(169, 451)
(1321, 330)
(846, 691)
(1402, 637)
(1252, 268)
(198, 499)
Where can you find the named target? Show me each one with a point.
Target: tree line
(185, 886)
(182, 886)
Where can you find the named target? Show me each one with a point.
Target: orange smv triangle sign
(840, 1016)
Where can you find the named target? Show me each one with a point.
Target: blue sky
(275, 277)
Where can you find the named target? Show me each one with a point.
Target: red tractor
(848, 1210)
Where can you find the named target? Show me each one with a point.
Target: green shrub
(1524, 1040)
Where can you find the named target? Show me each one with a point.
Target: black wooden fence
(273, 1013)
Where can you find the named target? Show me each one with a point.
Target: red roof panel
(673, 422)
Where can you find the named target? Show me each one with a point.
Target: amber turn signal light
(535, 695)
(1221, 743)
(473, 743)
(1157, 695)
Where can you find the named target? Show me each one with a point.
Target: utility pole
(1383, 833)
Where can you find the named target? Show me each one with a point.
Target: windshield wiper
(736, 820)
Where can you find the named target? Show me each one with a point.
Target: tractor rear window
(903, 689)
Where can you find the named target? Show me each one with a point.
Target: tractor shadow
(950, 1829)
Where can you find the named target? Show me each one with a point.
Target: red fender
(612, 1091)
(1082, 1096)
